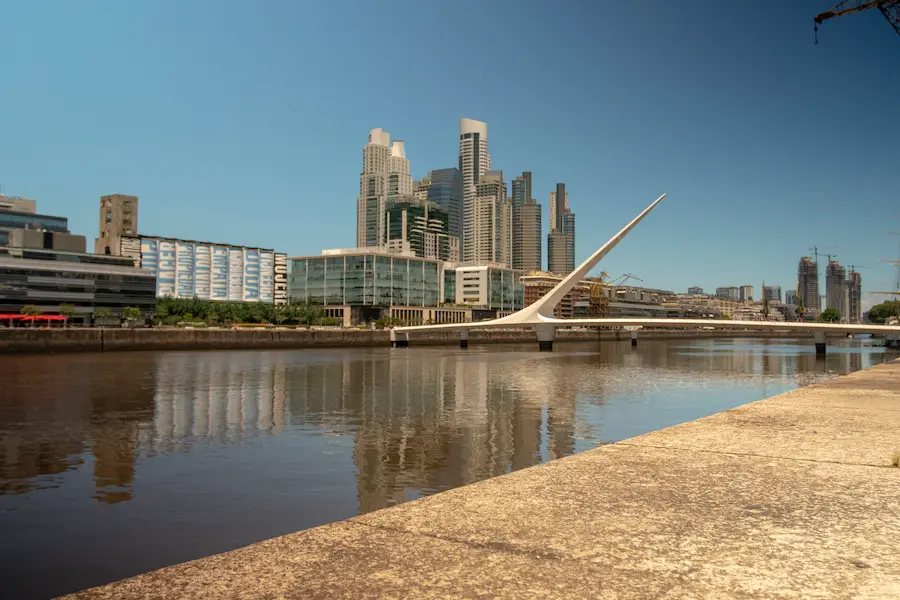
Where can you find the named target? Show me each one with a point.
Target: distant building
(772, 292)
(730, 293)
(836, 292)
(589, 298)
(808, 284)
(561, 239)
(47, 240)
(385, 178)
(854, 293)
(446, 190)
(18, 204)
(422, 228)
(206, 270)
(474, 163)
(746, 293)
(118, 217)
(527, 247)
(790, 297)
(491, 220)
(13, 218)
(695, 290)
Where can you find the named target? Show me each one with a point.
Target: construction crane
(889, 8)
(625, 277)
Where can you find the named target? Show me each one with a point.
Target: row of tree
(171, 311)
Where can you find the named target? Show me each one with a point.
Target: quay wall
(36, 341)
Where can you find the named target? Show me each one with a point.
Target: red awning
(44, 318)
(12, 316)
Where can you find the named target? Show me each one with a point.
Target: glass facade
(13, 219)
(446, 190)
(365, 280)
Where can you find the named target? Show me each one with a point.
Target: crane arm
(889, 8)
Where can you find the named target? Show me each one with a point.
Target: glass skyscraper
(446, 190)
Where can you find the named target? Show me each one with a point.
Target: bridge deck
(790, 497)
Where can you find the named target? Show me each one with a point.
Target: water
(115, 464)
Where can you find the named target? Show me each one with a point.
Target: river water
(115, 464)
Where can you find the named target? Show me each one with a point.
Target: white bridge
(539, 316)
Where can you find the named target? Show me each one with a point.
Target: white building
(490, 286)
(474, 162)
(384, 178)
(400, 183)
(490, 236)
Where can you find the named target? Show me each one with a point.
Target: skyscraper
(118, 217)
(836, 288)
(527, 251)
(561, 239)
(385, 178)
(808, 284)
(772, 292)
(790, 297)
(490, 237)
(420, 228)
(446, 190)
(474, 163)
(854, 293)
(746, 293)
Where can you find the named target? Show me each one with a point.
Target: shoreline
(54, 341)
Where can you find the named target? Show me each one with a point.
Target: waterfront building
(589, 298)
(421, 229)
(836, 288)
(474, 163)
(790, 297)
(118, 217)
(526, 227)
(854, 297)
(561, 239)
(695, 290)
(772, 292)
(808, 284)
(18, 213)
(493, 287)
(206, 270)
(446, 190)
(491, 219)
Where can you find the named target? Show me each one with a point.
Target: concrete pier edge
(793, 496)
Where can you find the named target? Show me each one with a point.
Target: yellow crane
(889, 8)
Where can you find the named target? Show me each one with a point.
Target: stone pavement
(789, 497)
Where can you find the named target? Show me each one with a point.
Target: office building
(808, 285)
(836, 292)
(746, 293)
(385, 178)
(420, 189)
(772, 292)
(790, 297)
(854, 297)
(445, 188)
(561, 239)
(491, 222)
(729, 293)
(490, 287)
(206, 270)
(695, 290)
(421, 229)
(400, 184)
(13, 215)
(474, 163)
(527, 250)
(118, 217)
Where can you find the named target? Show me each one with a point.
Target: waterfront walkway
(789, 497)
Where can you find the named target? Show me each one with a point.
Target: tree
(131, 313)
(67, 310)
(30, 310)
(103, 313)
(829, 315)
(881, 312)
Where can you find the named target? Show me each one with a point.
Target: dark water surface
(115, 464)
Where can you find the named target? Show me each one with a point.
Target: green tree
(881, 312)
(30, 310)
(829, 315)
(67, 310)
(103, 313)
(131, 313)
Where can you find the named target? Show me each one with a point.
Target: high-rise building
(420, 189)
(422, 229)
(474, 163)
(729, 293)
(854, 293)
(445, 188)
(808, 284)
(385, 178)
(118, 217)
(695, 290)
(746, 293)
(790, 297)
(527, 251)
(561, 239)
(772, 292)
(491, 218)
(836, 288)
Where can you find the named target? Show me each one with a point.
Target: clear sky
(243, 122)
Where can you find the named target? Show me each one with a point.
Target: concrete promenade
(789, 497)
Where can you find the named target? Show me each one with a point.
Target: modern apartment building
(527, 247)
(746, 293)
(836, 292)
(808, 284)
(491, 220)
(561, 239)
(385, 178)
(118, 217)
(729, 293)
(772, 292)
(206, 270)
(474, 163)
(445, 188)
(420, 228)
(854, 296)
(695, 290)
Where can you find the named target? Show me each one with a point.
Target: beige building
(492, 223)
(118, 217)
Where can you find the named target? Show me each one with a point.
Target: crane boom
(889, 8)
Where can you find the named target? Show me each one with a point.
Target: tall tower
(400, 183)
(808, 284)
(446, 189)
(854, 293)
(561, 239)
(527, 251)
(491, 232)
(836, 288)
(118, 217)
(373, 189)
(474, 163)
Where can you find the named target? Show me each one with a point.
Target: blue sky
(244, 122)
